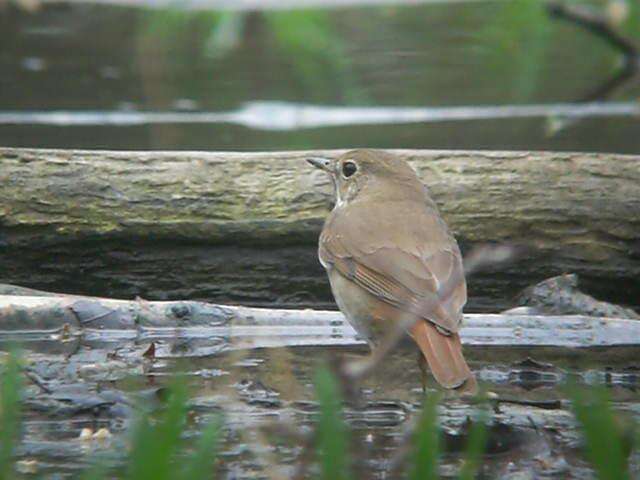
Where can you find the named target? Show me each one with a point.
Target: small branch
(37, 381)
(620, 78)
(599, 26)
(594, 23)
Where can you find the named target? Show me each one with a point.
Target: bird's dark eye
(349, 168)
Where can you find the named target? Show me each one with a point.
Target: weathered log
(246, 327)
(193, 225)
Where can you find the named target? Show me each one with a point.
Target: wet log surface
(241, 227)
(246, 327)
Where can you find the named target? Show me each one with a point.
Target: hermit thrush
(392, 262)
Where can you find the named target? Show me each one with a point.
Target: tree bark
(195, 225)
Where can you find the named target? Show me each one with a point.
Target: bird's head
(363, 173)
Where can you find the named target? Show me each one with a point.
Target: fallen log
(167, 225)
(247, 327)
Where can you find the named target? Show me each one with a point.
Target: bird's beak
(325, 164)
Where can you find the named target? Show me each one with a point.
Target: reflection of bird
(392, 262)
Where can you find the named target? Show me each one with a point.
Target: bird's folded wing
(409, 272)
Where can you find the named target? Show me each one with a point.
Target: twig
(596, 24)
(33, 378)
(543, 404)
(599, 26)
(628, 71)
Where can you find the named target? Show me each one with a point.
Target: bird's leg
(422, 364)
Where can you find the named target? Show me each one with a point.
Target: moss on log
(194, 224)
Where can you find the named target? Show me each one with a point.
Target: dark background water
(114, 62)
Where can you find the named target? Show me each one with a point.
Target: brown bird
(392, 262)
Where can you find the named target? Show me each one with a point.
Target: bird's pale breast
(371, 318)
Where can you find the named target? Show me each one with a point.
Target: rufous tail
(444, 356)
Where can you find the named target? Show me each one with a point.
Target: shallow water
(102, 380)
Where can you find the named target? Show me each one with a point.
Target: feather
(444, 356)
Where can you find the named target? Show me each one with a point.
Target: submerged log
(246, 327)
(193, 225)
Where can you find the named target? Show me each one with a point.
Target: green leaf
(424, 464)
(603, 439)
(156, 444)
(476, 445)
(332, 439)
(10, 388)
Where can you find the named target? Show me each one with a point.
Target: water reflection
(289, 116)
(72, 72)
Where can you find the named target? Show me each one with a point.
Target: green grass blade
(332, 438)
(201, 465)
(426, 440)
(603, 440)
(155, 444)
(476, 445)
(10, 387)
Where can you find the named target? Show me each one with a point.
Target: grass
(10, 387)
(606, 444)
(158, 450)
(157, 444)
(476, 445)
(331, 434)
(426, 443)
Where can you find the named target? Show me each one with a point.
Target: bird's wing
(404, 257)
